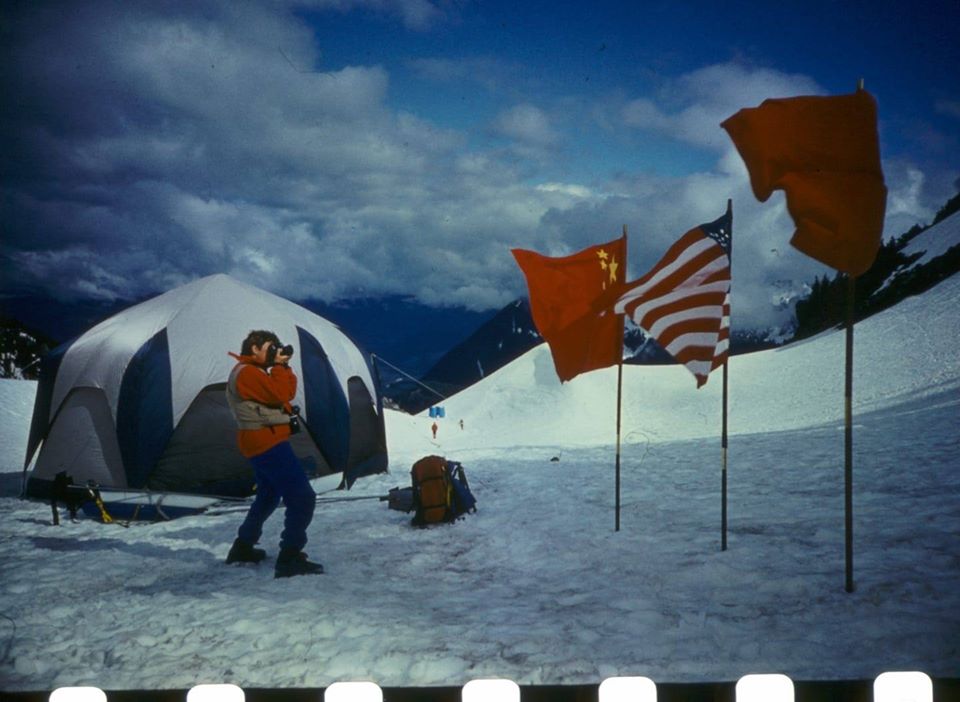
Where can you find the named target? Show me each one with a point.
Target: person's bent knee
(303, 502)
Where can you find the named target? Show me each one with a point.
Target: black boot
(290, 563)
(242, 552)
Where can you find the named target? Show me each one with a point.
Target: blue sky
(344, 148)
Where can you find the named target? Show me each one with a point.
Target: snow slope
(537, 586)
(903, 355)
(936, 240)
(930, 243)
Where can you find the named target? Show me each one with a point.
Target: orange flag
(824, 153)
(562, 295)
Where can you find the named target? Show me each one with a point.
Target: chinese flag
(563, 293)
(824, 153)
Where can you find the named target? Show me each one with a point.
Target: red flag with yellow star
(563, 292)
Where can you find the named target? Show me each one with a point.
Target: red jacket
(275, 387)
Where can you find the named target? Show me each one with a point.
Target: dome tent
(139, 400)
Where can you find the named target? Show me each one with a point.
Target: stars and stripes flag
(684, 300)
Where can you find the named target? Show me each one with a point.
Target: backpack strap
(250, 414)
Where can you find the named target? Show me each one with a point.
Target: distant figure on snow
(461, 425)
(259, 392)
(434, 430)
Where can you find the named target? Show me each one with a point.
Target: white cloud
(417, 15)
(691, 107)
(643, 113)
(573, 190)
(528, 125)
(904, 197)
(203, 138)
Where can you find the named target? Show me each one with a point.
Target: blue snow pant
(280, 476)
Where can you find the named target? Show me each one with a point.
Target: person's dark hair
(257, 338)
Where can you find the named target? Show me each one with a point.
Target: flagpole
(848, 435)
(848, 427)
(723, 433)
(620, 396)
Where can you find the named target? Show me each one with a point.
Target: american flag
(684, 301)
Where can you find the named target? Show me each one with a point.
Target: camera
(274, 349)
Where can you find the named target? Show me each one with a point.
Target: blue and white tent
(138, 401)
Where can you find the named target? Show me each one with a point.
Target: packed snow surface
(537, 585)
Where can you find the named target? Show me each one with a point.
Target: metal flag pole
(848, 427)
(723, 471)
(848, 436)
(620, 396)
(723, 432)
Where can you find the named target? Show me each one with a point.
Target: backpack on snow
(440, 491)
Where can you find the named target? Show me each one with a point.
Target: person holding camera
(259, 391)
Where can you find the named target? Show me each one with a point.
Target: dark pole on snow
(848, 435)
(619, 398)
(848, 427)
(723, 431)
(619, 392)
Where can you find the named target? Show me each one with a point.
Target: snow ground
(930, 244)
(537, 586)
(936, 240)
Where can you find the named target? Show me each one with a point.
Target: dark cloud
(144, 144)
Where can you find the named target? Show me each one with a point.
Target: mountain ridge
(448, 349)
